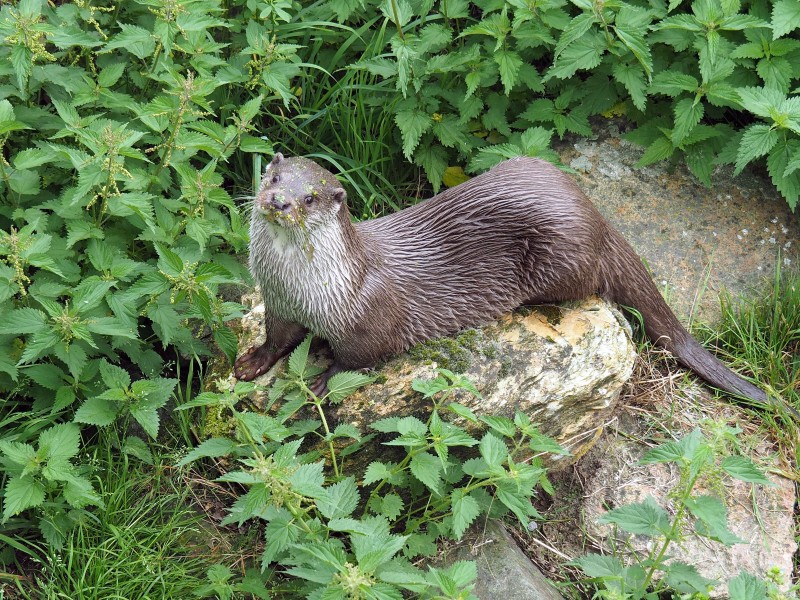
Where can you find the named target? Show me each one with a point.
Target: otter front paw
(255, 362)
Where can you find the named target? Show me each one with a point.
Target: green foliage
(354, 534)
(146, 542)
(463, 75)
(696, 458)
(121, 131)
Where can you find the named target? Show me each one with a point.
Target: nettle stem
(396, 15)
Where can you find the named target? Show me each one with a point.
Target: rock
(504, 572)
(760, 515)
(562, 366)
(697, 240)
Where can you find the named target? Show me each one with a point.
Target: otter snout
(280, 202)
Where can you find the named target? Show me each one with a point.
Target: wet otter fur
(522, 233)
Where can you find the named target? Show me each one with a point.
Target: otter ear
(339, 195)
(276, 159)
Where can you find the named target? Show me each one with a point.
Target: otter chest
(304, 279)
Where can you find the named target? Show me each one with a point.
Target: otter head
(296, 193)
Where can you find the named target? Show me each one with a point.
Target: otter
(522, 233)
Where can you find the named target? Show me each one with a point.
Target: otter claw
(254, 363)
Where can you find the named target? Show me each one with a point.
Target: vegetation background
(131, 134)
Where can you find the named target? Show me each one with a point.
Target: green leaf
(645, 518)
(785, 17)
(542, 443)
(60, 442)
(22, 456)
(585, 53)
(575, 30)
(631, 25)
(604, 567)
(341, 500)
(747, 587)
(298, 359)
(20, 494)
(465, 511)
(633, 79)
(377, 471)
(713, 518)
(660, 149)
(412, 124)
(23, 320)
(685, 579)
(428, 469)
(97, 411)
(493, 450)
(227, 341)
(136, 446)
(757, 141)
(688, 113)
(136, 40)
(777, 162)
(761, 101)
(509, 63)
(502, 425)
(463, 411)
(672, 83)
(210, 448)
(341, 385)
(743, 469)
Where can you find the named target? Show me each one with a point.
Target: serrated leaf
(744, 469)
(298, 359)
(633, 80)
(761, 101)
(465, 511)
(757, 141)
(645, 518)
(210, 448)
(777, 161)
(60, 442)
(136, 446)
(596, 565)
(576, 28)
(391, 506)
(713, 519)
(433, 158)
(341, 385)
(685, 579)
(785, 17)
(502, 425)
(341, 499)
(21, 493)
(747, 587)
(227, 341)
(428, 469)
(377, 471)
(412, 124)
(687, 114)
(97, 411)
(660, 149)
(585, 53)
(493, 450)
(509, 63)
(23, 320)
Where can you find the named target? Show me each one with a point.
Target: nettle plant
(122, 130)
(698, 461)
(334, 534)
(709, 81)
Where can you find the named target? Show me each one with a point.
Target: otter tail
(662, 326)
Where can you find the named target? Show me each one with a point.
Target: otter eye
(308, 199)
(276, 178)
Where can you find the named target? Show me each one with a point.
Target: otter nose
(280, 202)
